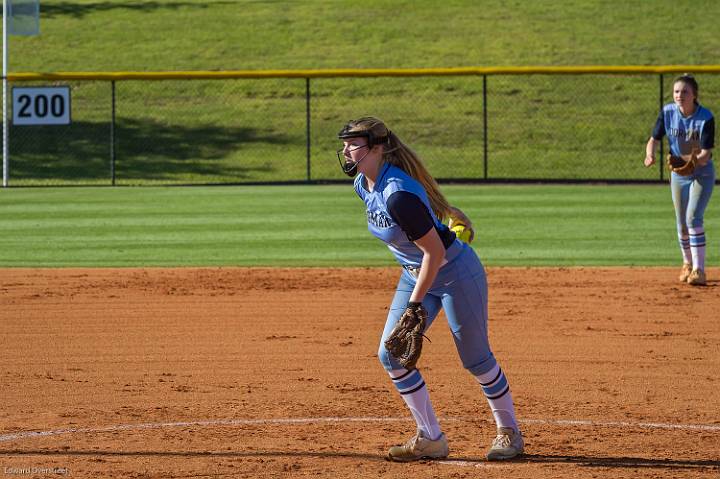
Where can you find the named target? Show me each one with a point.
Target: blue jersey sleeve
(410, 213)
(659, 131)
(707, 138)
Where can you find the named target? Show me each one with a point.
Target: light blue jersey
(460, 287)
(381, 224)
(686, 134)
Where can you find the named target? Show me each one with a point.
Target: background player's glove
(682, 165)
(405, 340)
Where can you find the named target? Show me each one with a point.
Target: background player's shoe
(507, 444)
(685, 272)
(419, 447)
(697, 278)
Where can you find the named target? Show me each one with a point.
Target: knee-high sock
(684, 241)
(697, 246)
(411, 387)
(497, 392)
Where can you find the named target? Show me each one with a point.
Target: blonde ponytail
(402, 156)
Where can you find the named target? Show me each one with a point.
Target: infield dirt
(252, 372)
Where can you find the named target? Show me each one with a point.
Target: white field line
(624, 424)
(325, 420)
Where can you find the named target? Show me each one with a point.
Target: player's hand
(461, 225)
(649, 160)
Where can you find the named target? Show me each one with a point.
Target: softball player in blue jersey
(690, 128)
(404, 209)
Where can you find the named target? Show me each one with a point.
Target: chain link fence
(498, 127)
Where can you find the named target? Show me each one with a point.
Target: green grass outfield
(180, 132)
(134, 35)
(519, 225)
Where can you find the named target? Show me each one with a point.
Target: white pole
(4, 99)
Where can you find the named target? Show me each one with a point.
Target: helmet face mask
(350, 167)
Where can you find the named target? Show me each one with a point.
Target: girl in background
(690, 129)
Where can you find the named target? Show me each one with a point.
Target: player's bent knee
(481, 366)
(386, 359)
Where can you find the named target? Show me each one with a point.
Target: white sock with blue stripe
(497, 392)
(684, 241)
(411, 387)
(697, 246)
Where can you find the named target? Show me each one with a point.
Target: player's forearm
(433, 256)
(428, 272)
(650, 152)
(650, 148)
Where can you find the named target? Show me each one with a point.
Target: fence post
(307, 124)
(661, 162)
(485, 140)
(112, 133)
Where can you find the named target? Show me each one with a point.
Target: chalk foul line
(8, 437)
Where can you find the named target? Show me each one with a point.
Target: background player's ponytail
(399, 154)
